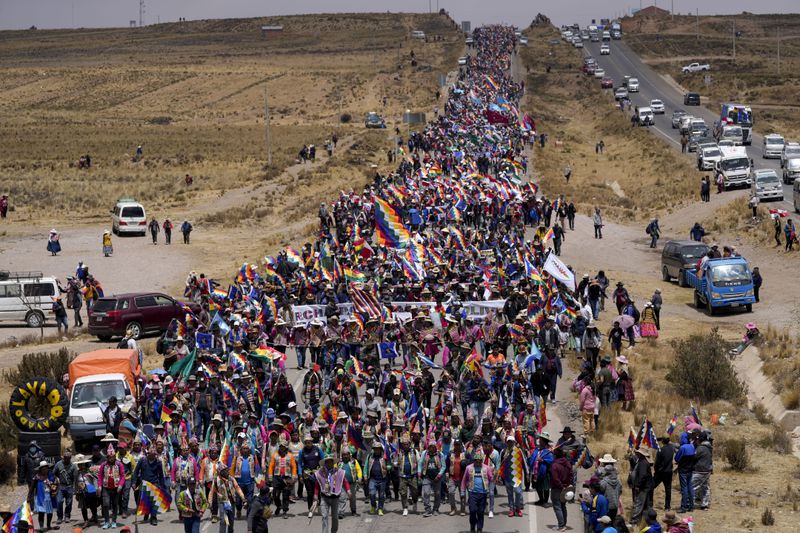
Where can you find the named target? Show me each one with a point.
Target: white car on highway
(790, 151)
(605, 50)
(621, 93)
(599, 73)
(766, 185)
(773, 146)
(657, 106)
(633, 85)
(707, 158)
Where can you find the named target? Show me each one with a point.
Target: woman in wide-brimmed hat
(40, 494)
(53, 242)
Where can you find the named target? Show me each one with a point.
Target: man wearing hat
(376, 474)
(539, 463)
(282, 474)
(431, 472)
(353, 475)
(476, 481)
(312, 388)
(642, 485)
(191, 505)
(330, 480)
(515, 470)
(111, 479)
(309, 460)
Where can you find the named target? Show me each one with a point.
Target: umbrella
(158, 372)
(625, 321)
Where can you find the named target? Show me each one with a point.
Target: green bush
(8, 467)
(701, 369)
(777, 439)
(735, 452)
(51, 365)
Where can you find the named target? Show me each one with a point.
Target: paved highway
(624, 62)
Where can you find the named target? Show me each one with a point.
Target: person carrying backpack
(654, 231)
(186, 229)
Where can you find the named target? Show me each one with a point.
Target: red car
(141, 311)
(607, 83)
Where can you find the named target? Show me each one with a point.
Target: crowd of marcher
(431, 333)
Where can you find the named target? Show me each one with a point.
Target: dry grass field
(192, 94)
(755, 77)
(637, 175)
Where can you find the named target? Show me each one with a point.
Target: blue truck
(725, 282)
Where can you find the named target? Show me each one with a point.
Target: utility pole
(734, 40)
(73, 14)
(266, 126)
(778, 32)
(141, 13)
(697, 22)
(672, 9)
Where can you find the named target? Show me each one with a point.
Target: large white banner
(559, 270)
(303, 314)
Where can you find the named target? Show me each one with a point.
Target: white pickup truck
(695, 67)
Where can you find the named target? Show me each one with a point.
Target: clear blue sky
(15, 14)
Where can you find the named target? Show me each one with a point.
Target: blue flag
(387, 350)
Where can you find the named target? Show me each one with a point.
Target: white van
(646, 116)
(27, 296)
(88, 393)
(128, 216)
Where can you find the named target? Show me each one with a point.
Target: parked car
(708, 157)
(695, 67)
(599, 73)
(646, 117)
(657, 106)
(143, 312)
(26, 297)
(621, 93)
(691, 99)
(128, 216)
(633, 85)
(374, 120)
(766, 185)
(696, 138)
(462, 61)
(680, 256)
(677, 115)
(790, 151)
(605, 50)
(773, 146)
(607, 83)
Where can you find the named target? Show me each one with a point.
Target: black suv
(691, 99)
(679, 256)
